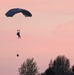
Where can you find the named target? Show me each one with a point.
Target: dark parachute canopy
(12, 12)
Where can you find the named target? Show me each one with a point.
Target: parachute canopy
(12, 12)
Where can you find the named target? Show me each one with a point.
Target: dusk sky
(44, 36)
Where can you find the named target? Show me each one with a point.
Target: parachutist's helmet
(18, 30)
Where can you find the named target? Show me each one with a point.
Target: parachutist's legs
(19, 37)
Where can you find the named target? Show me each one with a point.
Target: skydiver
(18, 34)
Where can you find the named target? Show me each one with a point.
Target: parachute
(12, 12)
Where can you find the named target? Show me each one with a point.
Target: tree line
(58, 66)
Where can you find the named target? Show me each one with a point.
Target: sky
(44, 36)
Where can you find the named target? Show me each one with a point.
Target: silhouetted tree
(42, 73)
(73, 68)
(29, 67)
(61, 66)
(49, 71)
(72, 73)
(51, 63)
